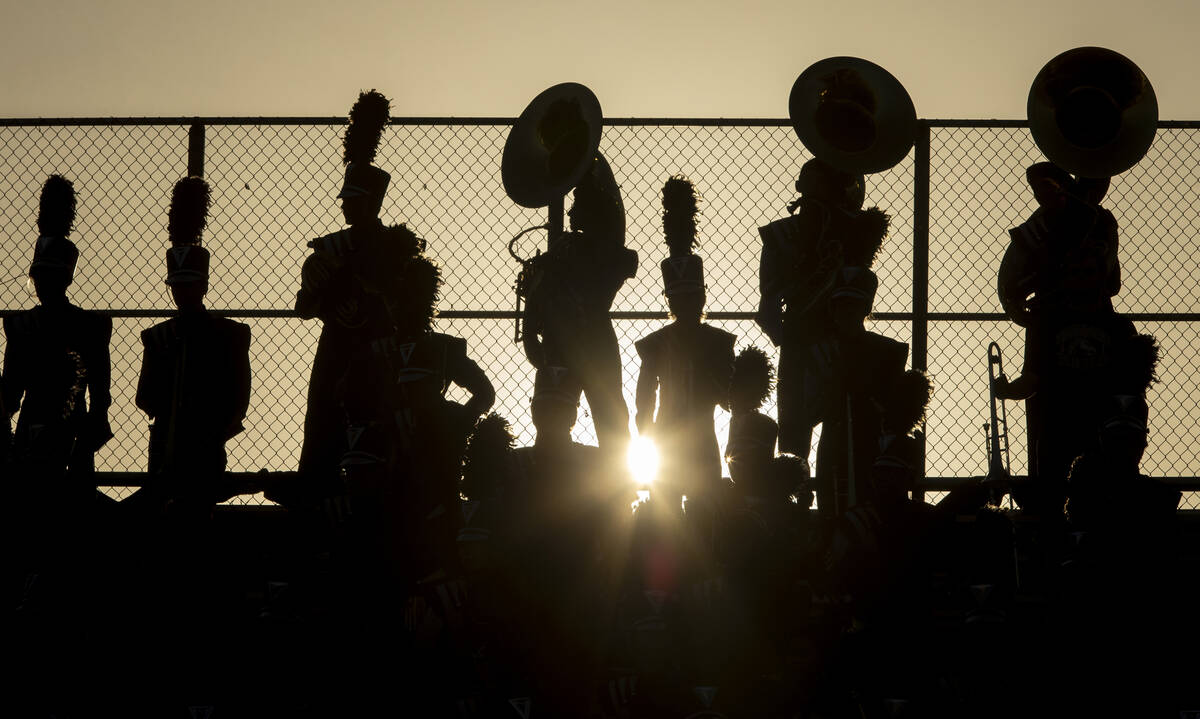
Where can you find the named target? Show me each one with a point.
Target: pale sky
(958, 58)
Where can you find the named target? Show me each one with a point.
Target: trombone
(996, 429)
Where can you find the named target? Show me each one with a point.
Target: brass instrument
(1092, 112)
(551, 146)
(853, 114)
(996, 430)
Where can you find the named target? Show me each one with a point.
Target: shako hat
(683, 273)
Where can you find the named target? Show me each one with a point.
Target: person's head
(53, 268)
(187, 275)
(360, 209)
(818, 180)
(189, 295)
(596, 209)
(50, 286)
(1051, 184)
(687, 306)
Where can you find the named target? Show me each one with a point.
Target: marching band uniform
(799, 265)
(752, 434)
(567, 329)
(686, 367)
(195, 377)
(55, 353)
(396, 412)
(342, 281)
(1057, 280)
(862, 366)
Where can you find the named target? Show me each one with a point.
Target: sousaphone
(853, 114)
(551, 145)
(1092, 112)
(550, 148)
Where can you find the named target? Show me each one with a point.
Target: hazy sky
(959, 58)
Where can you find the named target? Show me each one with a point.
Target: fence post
(920, 279)
(196, 150)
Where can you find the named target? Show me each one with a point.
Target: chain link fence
(274, 184)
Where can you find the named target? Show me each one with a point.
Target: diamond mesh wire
(274, 186)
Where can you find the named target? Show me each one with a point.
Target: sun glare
(642, 459)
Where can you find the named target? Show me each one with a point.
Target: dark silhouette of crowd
(427, 566)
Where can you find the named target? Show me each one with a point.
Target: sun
(642, 460)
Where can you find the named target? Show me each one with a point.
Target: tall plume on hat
(679, 215)
(188, 215)
(56, 212)
(368, 117)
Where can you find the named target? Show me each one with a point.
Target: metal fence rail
(274, 181)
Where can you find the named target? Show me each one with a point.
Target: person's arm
(646, 397)
(99, 380)
(13, 383)
(315, 275)
(144, 399)
(467, 373)
(535, 349)
(241, 376)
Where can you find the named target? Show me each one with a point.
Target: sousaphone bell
(1092, 112)
(853, 115)
(549, 149)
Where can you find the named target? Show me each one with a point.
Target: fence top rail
(450, 120)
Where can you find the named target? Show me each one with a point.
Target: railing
(275, 179)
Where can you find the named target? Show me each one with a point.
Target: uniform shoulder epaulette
(233, 328)
(22, 323)
(160, 336)
(650, 343)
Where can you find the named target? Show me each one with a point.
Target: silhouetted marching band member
(686, 365)
(56, 372)
(1108, 493)
(395, 390)
(567, 329)
(336, 285)
(858, 367)
(195, 377)
(1057, 280)
(55, 354)
(801, 258)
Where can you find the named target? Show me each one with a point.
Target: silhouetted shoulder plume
(487, 453)
(753, 378)
(866, 235)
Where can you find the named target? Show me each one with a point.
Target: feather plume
(188, 215)
(679, 215)
(487, 456)
(753, 379)
(905, 401)
(368, 117)
(56, 213)
(865, 238)
(1137, 364)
